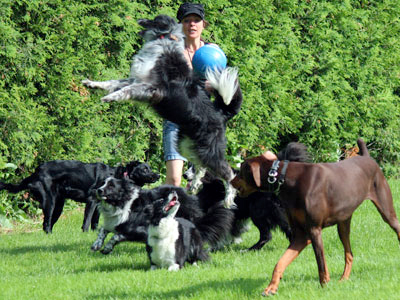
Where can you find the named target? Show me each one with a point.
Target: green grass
(34, 265)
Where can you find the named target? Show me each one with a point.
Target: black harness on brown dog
(274, 180)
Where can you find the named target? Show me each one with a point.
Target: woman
(191, 16)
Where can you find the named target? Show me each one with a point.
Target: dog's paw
(174, 267)
(269, 291)
(153, 268)
(106, 250)
(108, 99)
(89, 83)
(237, 240)
(96, 246)
(193, 189)
(229, 201)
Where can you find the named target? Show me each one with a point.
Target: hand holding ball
(210, 56)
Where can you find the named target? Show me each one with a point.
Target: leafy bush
(320, 72)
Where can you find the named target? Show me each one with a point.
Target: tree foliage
(320, 72)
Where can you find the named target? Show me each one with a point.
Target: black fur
(54, 181)
(263, 209)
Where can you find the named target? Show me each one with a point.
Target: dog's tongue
(171, 204)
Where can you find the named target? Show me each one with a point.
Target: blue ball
(209, 56)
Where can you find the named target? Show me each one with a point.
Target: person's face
(192, 26)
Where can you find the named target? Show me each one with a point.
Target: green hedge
(320, 72)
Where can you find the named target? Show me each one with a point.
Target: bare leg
(174, 172)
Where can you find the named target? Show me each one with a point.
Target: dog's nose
(100, 192)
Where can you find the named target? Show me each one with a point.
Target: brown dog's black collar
(273, 174)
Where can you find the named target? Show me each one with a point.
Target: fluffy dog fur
(262, 208)
(319, 195)
(118, 192)
(160, 76)
(55, 181)
(173, 241)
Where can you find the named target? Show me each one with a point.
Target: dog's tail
(25, 184)
(363, 151)
(228, 95)
(13, 188)
(215, 226)
(295, 152)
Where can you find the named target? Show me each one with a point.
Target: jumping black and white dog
(172, 241)
(54, 181)
(127, 212)
(160, 76)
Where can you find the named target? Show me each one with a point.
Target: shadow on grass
(244, 287)
(60, 247)
(56, 248)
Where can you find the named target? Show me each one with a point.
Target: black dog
(161, 77)
(55, 181)
(173, 241)
(129, 220)
(263, 208)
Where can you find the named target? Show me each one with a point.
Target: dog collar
(273, 173)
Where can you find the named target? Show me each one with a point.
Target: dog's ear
(269, 155)
(256, 171)
(146, 23)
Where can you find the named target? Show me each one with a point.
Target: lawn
(34, 265)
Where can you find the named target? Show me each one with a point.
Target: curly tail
(216, 224)
(363, 151)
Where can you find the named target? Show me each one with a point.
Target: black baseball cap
(190, 8)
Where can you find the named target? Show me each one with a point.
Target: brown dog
(320, 195)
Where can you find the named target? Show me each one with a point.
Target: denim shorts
(170, 138)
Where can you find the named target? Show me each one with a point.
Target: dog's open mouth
(173, 201)
(171, 204)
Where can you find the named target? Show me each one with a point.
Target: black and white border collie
(160, 76)
(117, 197)
(127, 211)
(172, 241)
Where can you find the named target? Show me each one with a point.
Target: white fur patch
(162, 239)
(113, 216)
(146, 59)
